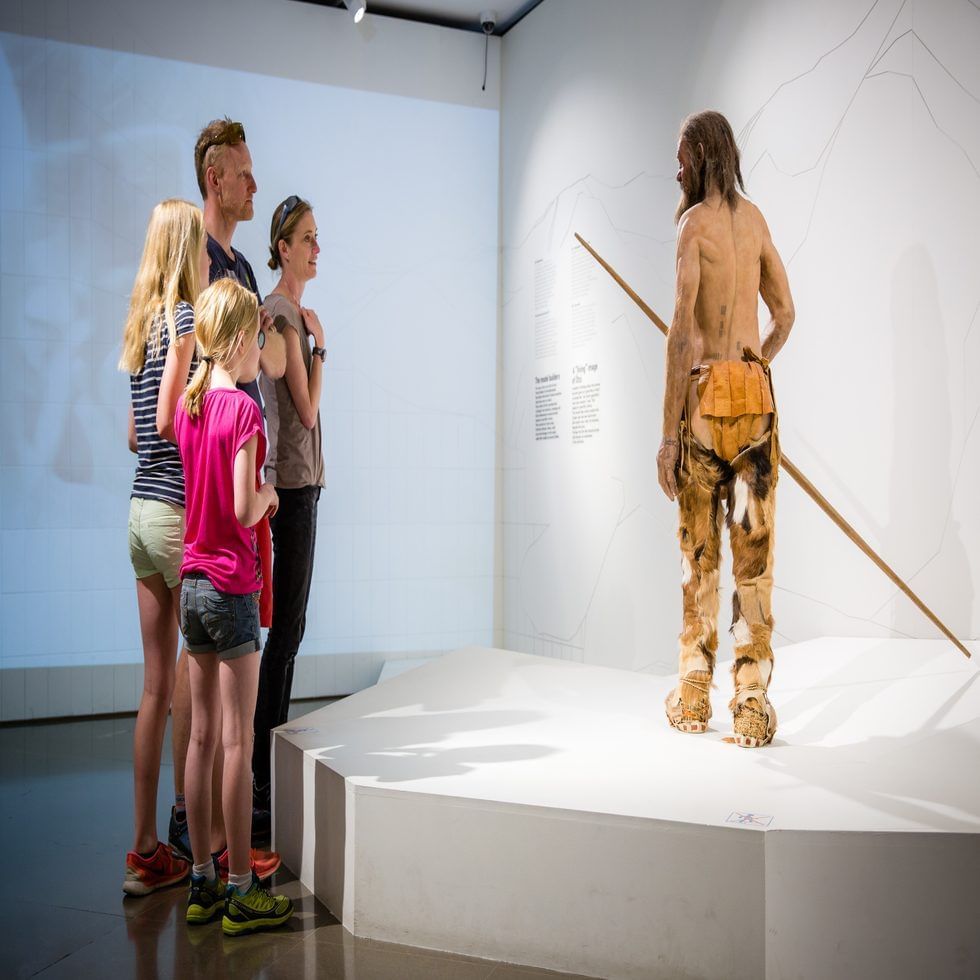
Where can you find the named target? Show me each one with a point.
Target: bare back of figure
(731, 248)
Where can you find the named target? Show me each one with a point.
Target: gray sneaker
(180, 838)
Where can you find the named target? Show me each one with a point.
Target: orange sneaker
(163, 868)
(264, 863)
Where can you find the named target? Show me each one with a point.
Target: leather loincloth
(732, 396)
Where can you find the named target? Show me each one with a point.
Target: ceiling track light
(356, 8)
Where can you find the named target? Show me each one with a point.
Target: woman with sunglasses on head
(294, 465)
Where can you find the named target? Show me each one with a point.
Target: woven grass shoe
(754, 719)
(688, 706)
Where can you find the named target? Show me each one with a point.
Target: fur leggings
(747, 487)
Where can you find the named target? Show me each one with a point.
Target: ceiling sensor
(488, 21)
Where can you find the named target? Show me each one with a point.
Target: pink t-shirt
(215, 543)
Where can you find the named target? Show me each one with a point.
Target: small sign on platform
(749, 819)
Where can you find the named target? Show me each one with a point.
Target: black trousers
(293, 543)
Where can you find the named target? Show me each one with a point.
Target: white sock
(241, 882)
(206, 871)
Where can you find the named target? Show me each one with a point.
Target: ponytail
(198, 387)
(226, 313)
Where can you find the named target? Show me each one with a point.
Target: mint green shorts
(156, 539)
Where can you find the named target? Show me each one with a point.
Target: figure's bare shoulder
(692, 231)
(689, 230)
(695, 219)
(752, 214)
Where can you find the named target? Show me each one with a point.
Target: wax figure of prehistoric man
(720, 451)
(223, 165)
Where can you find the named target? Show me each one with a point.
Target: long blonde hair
(169, 272)
(226, 314)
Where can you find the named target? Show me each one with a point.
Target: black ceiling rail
(439, 20)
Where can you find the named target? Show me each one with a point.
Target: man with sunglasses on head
(223, 166)
(224, 174)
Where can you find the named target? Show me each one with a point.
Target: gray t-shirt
(295, 456)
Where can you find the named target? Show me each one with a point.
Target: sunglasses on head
(288, 205)
(234, 133)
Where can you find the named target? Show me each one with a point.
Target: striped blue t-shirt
(159, 473)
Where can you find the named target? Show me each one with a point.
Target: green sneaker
(206, 900)
(254, 910)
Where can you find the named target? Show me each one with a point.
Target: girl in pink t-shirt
(222, 445)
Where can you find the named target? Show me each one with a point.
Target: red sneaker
(264, 863)
(162, 869)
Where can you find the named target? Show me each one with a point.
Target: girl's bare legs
(217, 808)
(204, 736)
(181, 714)
(239, 680)
(158, 626)
(180, 710)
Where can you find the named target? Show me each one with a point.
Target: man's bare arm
(681, 348)
(774, 288)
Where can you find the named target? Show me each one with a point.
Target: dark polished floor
(66, 818)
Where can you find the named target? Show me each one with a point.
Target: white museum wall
(385, 129)
(859, 128)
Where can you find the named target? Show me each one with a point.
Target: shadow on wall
(923, 460)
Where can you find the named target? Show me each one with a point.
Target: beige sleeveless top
(295, 454)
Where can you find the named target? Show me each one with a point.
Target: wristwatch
(320, 352)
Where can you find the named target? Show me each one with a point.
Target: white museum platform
(542, 812)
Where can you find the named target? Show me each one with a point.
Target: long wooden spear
(811, 491)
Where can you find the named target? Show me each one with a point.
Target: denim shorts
(218, 622)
